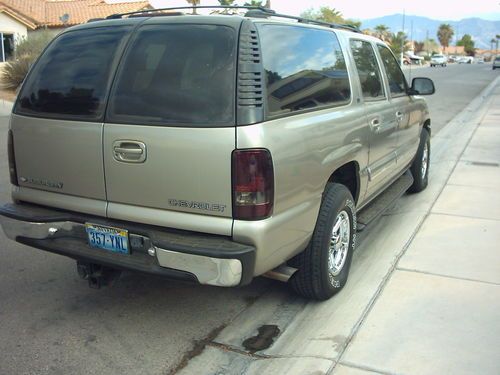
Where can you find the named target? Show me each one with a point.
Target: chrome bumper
(208, 270)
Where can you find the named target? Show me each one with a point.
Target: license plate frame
(111, 239)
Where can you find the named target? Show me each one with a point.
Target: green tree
(254, 3)
(431, 46)
(194, 3)
(468, 44)
(419, 47)
(327, 14)
(225, 3)
(444, 34)
(398, 43)
(382, 32)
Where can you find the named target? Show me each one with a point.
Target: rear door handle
(128, 151)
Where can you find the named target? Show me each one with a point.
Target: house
(454, 50)
(18, 18)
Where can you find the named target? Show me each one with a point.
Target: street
(52, 323)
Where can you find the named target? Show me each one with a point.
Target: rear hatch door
(57, 124)
(169, 130)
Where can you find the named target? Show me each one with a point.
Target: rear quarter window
(72, 77)
(305, 69)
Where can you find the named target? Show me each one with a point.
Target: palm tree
(444, 34)
(399, 43)
(382, 32)
(194, 3)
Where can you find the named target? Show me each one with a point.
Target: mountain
(482, 31)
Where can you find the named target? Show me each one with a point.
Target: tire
(317, 277)
(423, 157)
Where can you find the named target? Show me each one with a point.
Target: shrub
(25, 52)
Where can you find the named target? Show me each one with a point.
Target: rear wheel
(324, 265)
(420, 166)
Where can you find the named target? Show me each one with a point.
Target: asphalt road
(456, 85)
(52, 323)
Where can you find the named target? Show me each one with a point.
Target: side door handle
(399, 115)
(128, 151)
(375, 124)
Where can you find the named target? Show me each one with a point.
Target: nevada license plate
(107, 238)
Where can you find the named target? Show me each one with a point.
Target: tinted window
(368, 69)
(176, 74)
(397, 81)
(71, 78)
(305, 68)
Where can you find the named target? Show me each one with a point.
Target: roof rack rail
(254, 11)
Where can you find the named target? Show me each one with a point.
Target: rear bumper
(207, 259)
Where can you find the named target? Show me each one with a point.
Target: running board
(384, 201)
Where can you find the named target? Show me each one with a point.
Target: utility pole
(403, 38)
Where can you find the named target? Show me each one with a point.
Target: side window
(397, 80)
(368, 69)
(305, 69)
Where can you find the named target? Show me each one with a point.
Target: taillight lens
(253, 184)
(12, 159)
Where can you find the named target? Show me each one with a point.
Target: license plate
(107, 238)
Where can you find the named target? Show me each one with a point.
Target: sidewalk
(423, 295)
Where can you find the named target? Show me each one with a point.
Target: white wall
(9, 25)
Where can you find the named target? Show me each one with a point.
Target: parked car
(438, 60)
(213, 148)
(466, 60)
(496, 63)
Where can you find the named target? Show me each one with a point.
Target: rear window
(72, 77)
(305, 69)
(176, 74)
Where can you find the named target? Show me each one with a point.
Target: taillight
(253, 184)
(12, 159)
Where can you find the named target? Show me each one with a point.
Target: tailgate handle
(129, 151)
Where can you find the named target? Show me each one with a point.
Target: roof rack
(254, 11)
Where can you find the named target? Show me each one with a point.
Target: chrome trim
(211, 271)
(39, 231)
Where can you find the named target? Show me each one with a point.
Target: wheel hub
(339, 243)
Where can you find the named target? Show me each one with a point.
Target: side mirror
(422, 86)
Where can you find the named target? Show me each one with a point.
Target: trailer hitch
(96, 274)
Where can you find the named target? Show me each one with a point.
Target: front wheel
(420, 166)
(324, 265)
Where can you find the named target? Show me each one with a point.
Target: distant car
(496, 63)
(438, 60)
(480, 60)
(465, 60)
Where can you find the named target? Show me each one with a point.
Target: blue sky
(363, 9)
